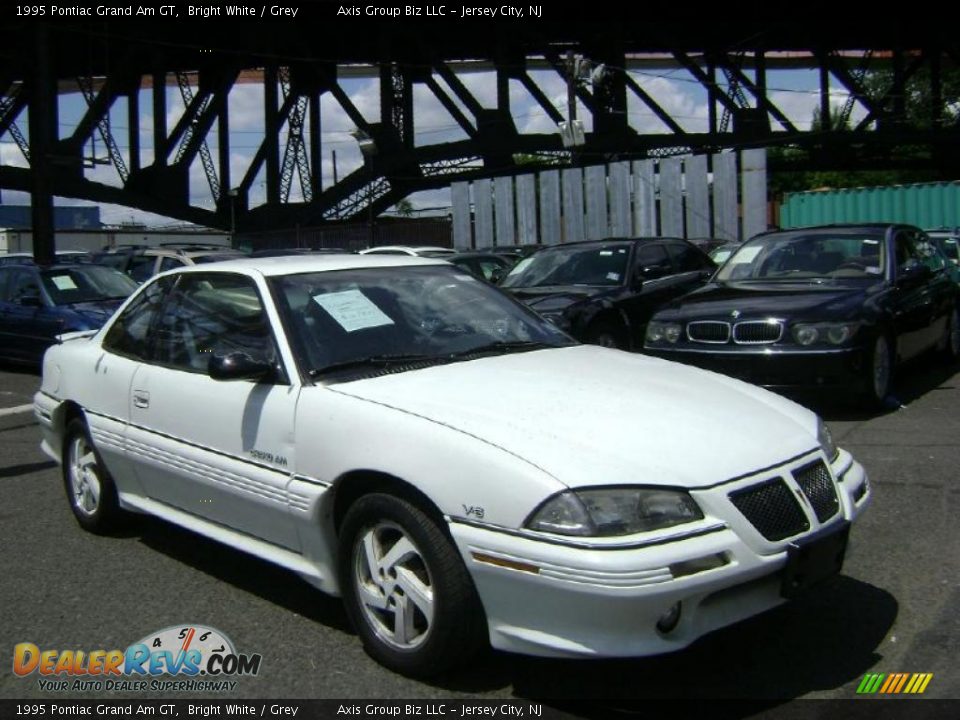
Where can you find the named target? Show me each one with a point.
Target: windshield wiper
(371, 361)
(501, 346)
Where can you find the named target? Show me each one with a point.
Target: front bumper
(833, 368)
(604, 599)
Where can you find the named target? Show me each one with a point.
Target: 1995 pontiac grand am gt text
(455, 467)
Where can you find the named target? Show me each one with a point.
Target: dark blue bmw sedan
(37, 304)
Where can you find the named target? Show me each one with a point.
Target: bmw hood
(594, 416)
(554, 298)
(790, 299)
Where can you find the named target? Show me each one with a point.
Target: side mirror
(31, 300)
(636, 282)
(914, 273)
(496, 275)
(239, 366)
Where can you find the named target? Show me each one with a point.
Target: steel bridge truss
(742, 112)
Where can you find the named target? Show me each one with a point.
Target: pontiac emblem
(735, 314)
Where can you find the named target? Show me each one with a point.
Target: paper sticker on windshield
(746, 255)
(613, 276)
(872, 270)
(606, 252)
(352, 310)
(64, 282)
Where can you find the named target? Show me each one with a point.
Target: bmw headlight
(829, 333)
(663, 331)
(610, 511)
(825, 438)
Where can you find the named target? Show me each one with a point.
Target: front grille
(757, 332)
(817, 485)
(772, 509)
(709, 331)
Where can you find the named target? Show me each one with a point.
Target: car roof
(296, 264)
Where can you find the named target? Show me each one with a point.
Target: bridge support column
(43, 136)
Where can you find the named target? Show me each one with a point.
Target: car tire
(878, 373)
(949, 345)
(394, 558)
(90, 489)
(607, 333)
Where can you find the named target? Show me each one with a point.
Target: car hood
(791, 299)
(554, 297)
(594, 416)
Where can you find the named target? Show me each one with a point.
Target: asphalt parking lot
(896, 608)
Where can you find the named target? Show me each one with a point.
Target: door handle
(141, 399)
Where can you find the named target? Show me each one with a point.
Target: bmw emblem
(735, 314)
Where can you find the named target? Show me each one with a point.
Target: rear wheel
(89, 487)
(949, 345)
(406, 588)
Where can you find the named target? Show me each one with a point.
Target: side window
(130, 334)
(907, 251)
(23, 283)
(687, 258)
(212, 314)
(652, 261)
(169, 263)
(141, 267)
(930, 254)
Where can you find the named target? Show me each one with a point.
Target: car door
(221, 450)
(29, 321)
(914, 309)
(107, 399)
(661, 283)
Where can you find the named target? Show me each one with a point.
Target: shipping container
(926, 205)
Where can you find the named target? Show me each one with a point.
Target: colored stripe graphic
(894, 683)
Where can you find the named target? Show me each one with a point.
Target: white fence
(696, 196)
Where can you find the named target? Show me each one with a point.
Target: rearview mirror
(239, 366)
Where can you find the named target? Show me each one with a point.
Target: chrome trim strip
(580, 544)
(312, 480)
(751, 350)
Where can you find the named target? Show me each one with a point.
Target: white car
(418, 251)
(458, 469)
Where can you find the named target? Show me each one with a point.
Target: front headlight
(605, 512)
(825, 438)
(658, 331)
(830, 333)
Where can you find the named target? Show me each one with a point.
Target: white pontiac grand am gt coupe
(456, 468)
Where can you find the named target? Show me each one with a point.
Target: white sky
(794, 92)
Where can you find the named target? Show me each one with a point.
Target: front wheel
(406, 589)
(949, 345)
(89, 487)
(607, 334)
(878, 373)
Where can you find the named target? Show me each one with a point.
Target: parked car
(61, 257)
(720, 253)
(282, 252)
(348, 432)
(419, 251)
(836, 307)
(486, 266)
(143, 263)
(949, 243)
(38, 304)
(604, 291)
(515, 252)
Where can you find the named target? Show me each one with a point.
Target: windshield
(949, 245)
(85, 283)
(573, 265)
(806, 255)
(432, 313)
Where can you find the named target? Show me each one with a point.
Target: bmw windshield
(805, 255)
(400, 318)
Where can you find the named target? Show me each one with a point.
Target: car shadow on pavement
(914, 380)
(246, 572)
(819, 642)
(26, 468)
